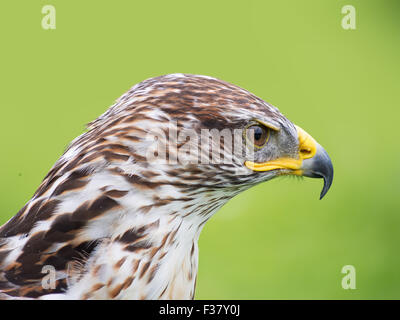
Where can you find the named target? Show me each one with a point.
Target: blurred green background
(276, 240)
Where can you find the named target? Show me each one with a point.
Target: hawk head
(197, 132)
(124, 205)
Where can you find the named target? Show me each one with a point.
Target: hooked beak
(319, 166)
(313, 161)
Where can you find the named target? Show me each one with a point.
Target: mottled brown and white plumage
(115, 225)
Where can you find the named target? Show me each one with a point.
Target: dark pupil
(258, 132)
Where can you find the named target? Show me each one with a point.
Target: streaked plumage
(117, 226)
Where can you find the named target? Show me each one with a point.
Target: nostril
(305, 151)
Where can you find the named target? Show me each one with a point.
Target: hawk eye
(258, 135)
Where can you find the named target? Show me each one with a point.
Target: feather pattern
(115, 225)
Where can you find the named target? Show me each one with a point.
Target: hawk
(119, 214)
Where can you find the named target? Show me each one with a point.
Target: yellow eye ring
(257, 135)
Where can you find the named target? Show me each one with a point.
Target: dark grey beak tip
(320, 166)
(327, 185)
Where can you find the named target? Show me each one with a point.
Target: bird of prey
(119, 214)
